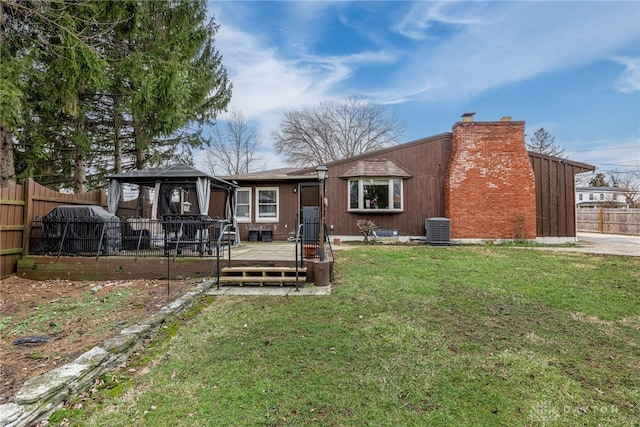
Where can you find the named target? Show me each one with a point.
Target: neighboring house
(479, 176)
(607, 197)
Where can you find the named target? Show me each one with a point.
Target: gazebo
(163, 181)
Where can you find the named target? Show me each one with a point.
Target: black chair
(130, 237)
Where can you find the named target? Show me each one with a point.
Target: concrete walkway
(602, 244)
(308, 289)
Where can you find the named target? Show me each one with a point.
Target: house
(479, 176)
(608, 197)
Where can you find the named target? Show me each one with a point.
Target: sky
(571, 67)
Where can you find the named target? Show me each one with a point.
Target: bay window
(375, 194)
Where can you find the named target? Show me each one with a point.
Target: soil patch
(46, 324)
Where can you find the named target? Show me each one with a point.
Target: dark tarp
(85, 225)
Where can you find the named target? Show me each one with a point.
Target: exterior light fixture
(321, 170)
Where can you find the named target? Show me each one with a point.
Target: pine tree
(93, 87)
(598, 181)
(544, 143)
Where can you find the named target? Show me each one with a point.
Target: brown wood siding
(288, 208)
(555, 195)
(423, 194)
(570, 200)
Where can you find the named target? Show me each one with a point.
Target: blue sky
(572, 67)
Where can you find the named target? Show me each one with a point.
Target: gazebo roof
(177, 172)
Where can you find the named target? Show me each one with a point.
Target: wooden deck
(264, 256)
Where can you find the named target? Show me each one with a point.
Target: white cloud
(419, 22)
(267, 81)
(629, 80)
(510, 42)
(438, 52)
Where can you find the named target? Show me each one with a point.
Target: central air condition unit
(438, 231)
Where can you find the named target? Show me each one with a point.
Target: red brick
(490, 185)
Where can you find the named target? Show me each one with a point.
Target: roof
(177, 172)
(303, 173)
(375, 168)
(381, 152)
(281, 174)
(578, 166)
(601, 189)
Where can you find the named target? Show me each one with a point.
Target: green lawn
(445, 336)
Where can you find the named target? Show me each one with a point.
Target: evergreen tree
(598, 181)
(176, 78)
(52, 50)
(101, 86)
(544, 143)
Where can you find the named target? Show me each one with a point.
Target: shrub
(366, 226)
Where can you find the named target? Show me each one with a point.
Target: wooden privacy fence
(609, 221)
(21, 204)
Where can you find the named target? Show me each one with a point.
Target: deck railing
(308, 242)
(184, 236)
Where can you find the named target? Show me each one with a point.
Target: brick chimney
(490, 185)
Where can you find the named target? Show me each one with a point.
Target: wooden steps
(261, 275)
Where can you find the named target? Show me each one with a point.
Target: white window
(375, 194)
(243, 204)
(580, 196)
(267, 203)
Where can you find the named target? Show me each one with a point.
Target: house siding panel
(287, 211)
(423, 193)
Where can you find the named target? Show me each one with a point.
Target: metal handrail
(327, 239)
(223, 231)
(301, 258)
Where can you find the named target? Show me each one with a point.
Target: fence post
(600, 221)
(27, 194)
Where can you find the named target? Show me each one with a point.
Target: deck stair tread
(262, 275)
(258, 269)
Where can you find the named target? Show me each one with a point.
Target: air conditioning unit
(438, 231)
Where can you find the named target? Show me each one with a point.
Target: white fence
(609, 221)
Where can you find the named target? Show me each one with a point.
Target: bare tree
(544, 143)
(629, 185)
(234, 149)
(333, 131)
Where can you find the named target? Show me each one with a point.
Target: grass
(452, 336)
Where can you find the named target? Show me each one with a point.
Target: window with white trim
(375, 194)
(267, 204)
(243, 204)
